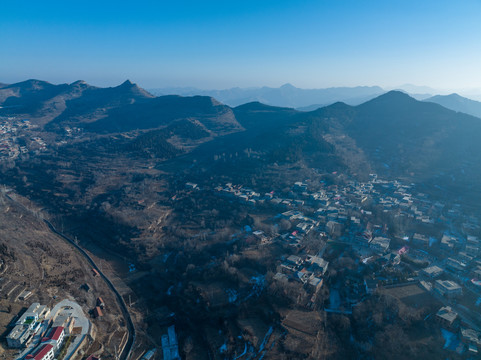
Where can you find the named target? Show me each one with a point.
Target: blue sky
(221, 44)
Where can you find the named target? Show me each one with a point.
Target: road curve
(127, 352)
(129, 346)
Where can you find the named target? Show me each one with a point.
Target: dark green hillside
(94, 103)
(28, 96)
(406, 136)
(255, 115)
(163, 110)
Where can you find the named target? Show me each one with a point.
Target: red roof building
(54, 334)
(55, 337)
(98, 312)
(100, 302)
(91, 357)
(45, 352)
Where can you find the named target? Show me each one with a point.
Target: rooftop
(447, 313)
(433, 270)
(17, 332)
(471, 336)
(40, 353)
(54, 333)
(448, 285)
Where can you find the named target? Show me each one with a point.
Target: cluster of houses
(37, 328)
(9, 145)
(344, 214)
(42, 145)
(243, 194)
(342, 209)
(308, 269)
(351, 214)
(27, 326)
(463, 338)
(72, 131)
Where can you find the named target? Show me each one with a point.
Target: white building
(380, 244)
(27, 325)
(55, 337)
(433, 271)
(33, 313)
(19, 336)
(448, 288)
(43, 352)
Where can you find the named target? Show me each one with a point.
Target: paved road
(73, 309)
(127, 352)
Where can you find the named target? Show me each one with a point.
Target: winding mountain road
(129, 346)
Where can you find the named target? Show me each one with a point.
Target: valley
(257, 231)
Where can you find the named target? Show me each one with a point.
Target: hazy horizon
(282, 203)
(472, 93)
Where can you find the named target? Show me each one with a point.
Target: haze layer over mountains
(392, 133)
(312, 99)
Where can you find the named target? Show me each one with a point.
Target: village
(19, 137)
(63, 332)
(394, 239)
(42, 333)
(398, 241)
(11, 147)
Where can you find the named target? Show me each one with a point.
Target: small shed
(98, 312)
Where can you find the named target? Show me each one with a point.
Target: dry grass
(410, 295)
(51, 269)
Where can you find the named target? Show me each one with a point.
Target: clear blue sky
(221, 44)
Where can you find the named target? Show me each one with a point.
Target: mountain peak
(393, 96)
(79, 82)
(394, 99)
(398, 94)
(458, 103)
(131, 88)
(127, 83)
(258, 106)
(339, 105)
(455, 95)
(31, 84)
(288, 86)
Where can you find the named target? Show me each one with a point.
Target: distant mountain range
(115, 109)
(312, 99)
(114, 162)
(458, 103)
(392, 134)
(286, 95)
(293, 97)
(43, 101)
(416, 89)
